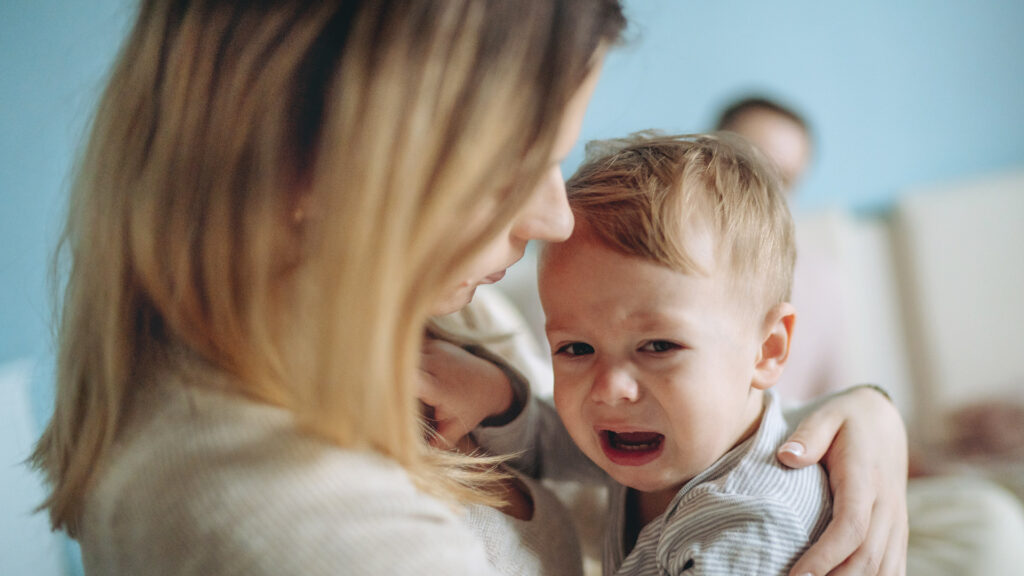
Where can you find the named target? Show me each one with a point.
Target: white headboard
(960, 250)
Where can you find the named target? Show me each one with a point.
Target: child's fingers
(427, 390)
(428, 415)
(452, 431)
(446, 430)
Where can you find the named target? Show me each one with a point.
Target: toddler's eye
(659, 346)
(576, 349)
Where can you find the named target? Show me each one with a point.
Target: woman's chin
(455, 301)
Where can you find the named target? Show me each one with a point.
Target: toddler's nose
(613, 386)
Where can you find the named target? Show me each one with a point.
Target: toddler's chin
(644, 483)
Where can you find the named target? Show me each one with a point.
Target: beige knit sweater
(202, 482)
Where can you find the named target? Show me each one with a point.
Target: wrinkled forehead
(711, 256)
(696, 238)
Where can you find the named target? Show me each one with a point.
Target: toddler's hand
(459, 391)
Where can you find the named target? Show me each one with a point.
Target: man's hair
(730, 116)
(639, 194)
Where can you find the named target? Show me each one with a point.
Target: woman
(274, 198)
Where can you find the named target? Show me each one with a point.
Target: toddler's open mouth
(631, 448)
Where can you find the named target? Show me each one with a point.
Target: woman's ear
(777, 331)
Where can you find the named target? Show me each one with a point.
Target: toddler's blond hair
(639, 194)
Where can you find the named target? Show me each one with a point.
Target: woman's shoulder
(201, 479)
(544, 543)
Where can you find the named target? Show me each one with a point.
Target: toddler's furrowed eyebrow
(557, 328)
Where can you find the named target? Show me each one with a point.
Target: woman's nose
(614, 385)
(547, 215)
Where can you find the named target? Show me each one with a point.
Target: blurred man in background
(958, 524)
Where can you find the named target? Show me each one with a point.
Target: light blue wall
(52, 58)
(900, 93)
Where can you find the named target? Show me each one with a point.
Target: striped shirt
(746, 514)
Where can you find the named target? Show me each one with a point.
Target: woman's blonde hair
(639, 194)
(273, 186)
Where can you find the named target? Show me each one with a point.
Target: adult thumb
(811, 440)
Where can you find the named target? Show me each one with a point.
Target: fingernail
(806, 573)
(796, 449)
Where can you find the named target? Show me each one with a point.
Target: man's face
(779, 138)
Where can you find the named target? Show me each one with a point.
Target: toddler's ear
(777, 332)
